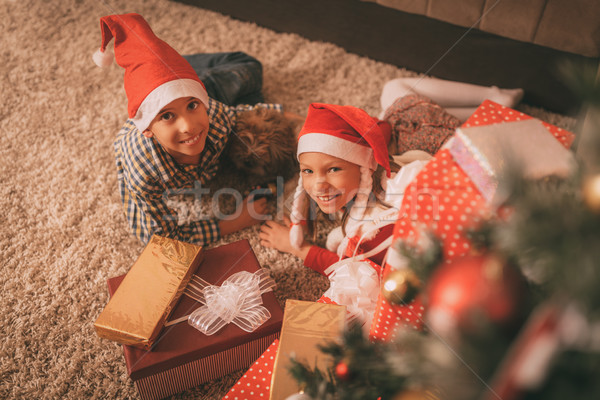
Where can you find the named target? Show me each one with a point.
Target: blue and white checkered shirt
(146, 173)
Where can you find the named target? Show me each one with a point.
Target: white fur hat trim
(337, 147)
(163, 95)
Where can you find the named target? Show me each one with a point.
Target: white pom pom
(296, 236)
(298, 215)
(334, 238)
(103, 58)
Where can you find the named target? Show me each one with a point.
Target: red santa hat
(155, 74)
(348, 133)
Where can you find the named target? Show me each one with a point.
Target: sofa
(507, 43)
(566, 25)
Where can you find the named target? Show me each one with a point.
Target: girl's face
(181, 128)
(330, 181)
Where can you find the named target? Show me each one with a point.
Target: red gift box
(183, 357)
(446, 198)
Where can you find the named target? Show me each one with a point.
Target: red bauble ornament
(342, 372)
(473, 291)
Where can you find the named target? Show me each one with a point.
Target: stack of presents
(187, 315)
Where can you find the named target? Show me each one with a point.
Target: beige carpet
(62, 231)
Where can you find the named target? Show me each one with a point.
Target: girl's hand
(277, 236)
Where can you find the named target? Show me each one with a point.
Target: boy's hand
(277, 236)
(254, 210)
(250, 213)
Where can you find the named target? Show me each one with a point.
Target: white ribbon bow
(237, 300)
(354, 284)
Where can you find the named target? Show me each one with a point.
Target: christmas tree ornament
(400, 287)
(342, 372)
(591, 193)
(473, 292)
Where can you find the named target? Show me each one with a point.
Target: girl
(343, 157)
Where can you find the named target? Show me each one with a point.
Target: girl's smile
(330, 181)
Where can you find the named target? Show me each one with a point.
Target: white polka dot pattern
(256, 382)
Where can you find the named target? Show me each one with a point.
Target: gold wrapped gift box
(138, 310)
(306, 325)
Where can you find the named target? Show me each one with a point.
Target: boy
(173, 137)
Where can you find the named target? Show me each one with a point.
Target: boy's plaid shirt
(147, 173)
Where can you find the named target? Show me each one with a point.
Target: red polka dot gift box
(256, 382)
(458, 188)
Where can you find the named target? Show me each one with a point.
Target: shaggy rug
(62, 231)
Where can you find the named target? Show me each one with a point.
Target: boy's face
(181, 128)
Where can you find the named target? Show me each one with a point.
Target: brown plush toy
(263, 146)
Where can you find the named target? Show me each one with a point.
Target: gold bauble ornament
(591, 193)
(400, 287)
